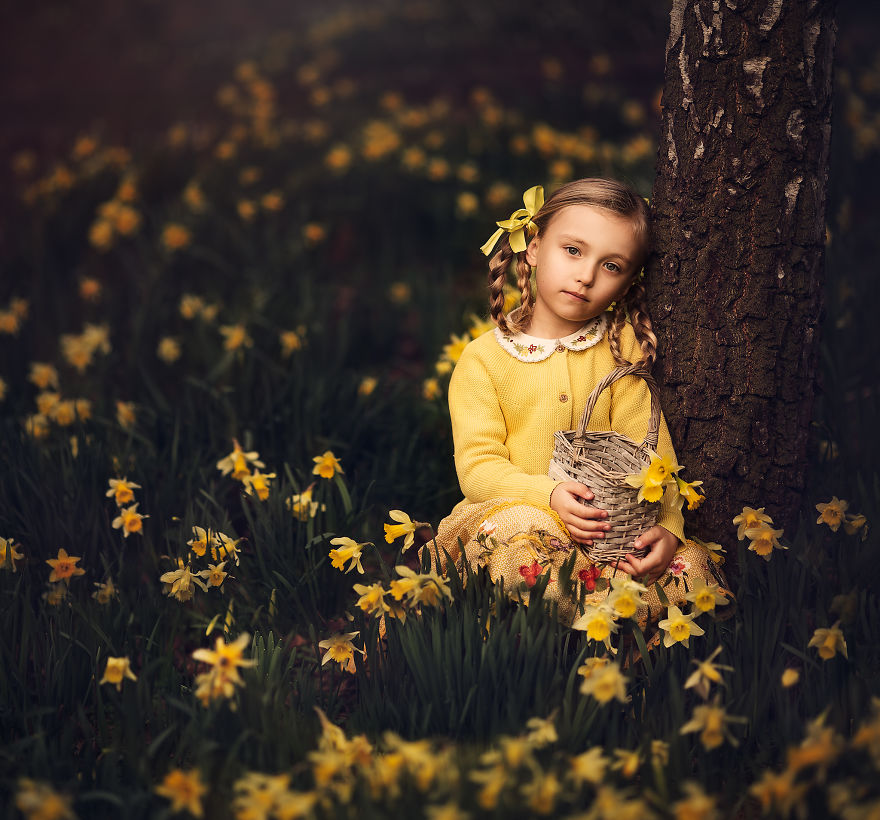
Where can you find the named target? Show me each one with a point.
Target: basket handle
(638, 369)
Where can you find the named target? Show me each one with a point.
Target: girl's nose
(586, 275)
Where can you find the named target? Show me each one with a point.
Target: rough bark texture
(736, 288)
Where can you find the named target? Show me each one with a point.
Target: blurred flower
(413, 158)
(405, 526)
(292, 340)
(302, 506)
(467, 203)
(258, 483)
(829, 641)
(338, 158)
(235, 337)
(225, 150)
(790, 677)
(499, 193)
(706, 674)
(122, 490)
(327, 465)
(589, 767)
(168, 350)
(696, 804)
(175, 236)
(8, 554)
(347, 550)
(431, 389)
(225, 660)
(400, 293)
(856, 523)
(246, 209)
(540, 794)
(46, 403)
(679, 627)
(55, 594)
(820, 748)
(833, 513)
(191, 305)
(23, 162)
(129, 520)
(314, 233)
(249, 175)
(711, 720)
(238, 461)
(101, 234)
(193, 197)
(763, 540)
(89, 289)
(627, 762)
(272, 201)
(438, 169)
(62, 412)
(778, 793)
(179, 582)
(115, 670)
(705, 597)
(598, 622)
(37, 800)
(125, 414)
(127, 221)
(64, 567)
(453, 350)
(105, 592)
(606, 683)
(9, 323)
(43, 375)
(340, 648)
(372, 598)
(184, 789)
(749, 518)
(36, 426)
(828, 450)
(367, 385)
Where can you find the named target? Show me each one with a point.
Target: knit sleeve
(630, 414)
(479, 432)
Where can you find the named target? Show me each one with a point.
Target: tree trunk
(736, 287)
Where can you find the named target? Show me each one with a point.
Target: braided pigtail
(637, 307)
(498, 266)
(618, 320)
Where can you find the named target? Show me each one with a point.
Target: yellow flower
(679, 627)
(302, 506)
(453, 350)
(750, 518)
(55, 594)
(400, 293)
(790, 677)
(236, 337)
(763, 539)
(47, 401)
(480, 326)
(340, 649)
(705, 597)
(696, 805)
(598, 622)
(291, 340)
(214, 574)
(625, 597)
(420, 588)
(338, 158)
(199, 544)
(168, 350)
(431, 389)
(37, 426)
(689, 492)
(833, 513)
(37, 800)
(8, 554)
(606, 683)
(246, 209)
(43, 375)
(327, 465)
(653, 478)
(542, 731)
(225, 547)
(184, 789)
(314, 233)
(175, 236)
(89, 289)
(227, 658)
(541, 793)
(128, 220)
(589, 767)
(179, 583)
(372, 598)
(129, 520)
(115, 670)
(101, 234)
(405, 526)
(64, 567)
(348, 550)
(125, 414)
(627, 761)
(820, 748)
(63, 412)
(194, 197)
(105, 592)
(191, 305)
(779, 792)
(3, 389)
(854, 523)
(258, 483)
(710, 720)
(706, 674)
(367, 385)
(122, 490)
(238, 460)
(829, 641)
(493, 782)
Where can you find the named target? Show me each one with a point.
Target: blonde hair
(610, 195)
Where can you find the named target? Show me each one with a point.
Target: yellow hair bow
(520, 221)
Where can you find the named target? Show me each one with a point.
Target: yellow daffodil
(121, 490)
(855, 524)
(405, 526)
(453, 350)
(367, 386)
(214, 574)
(347, 550)
(64, 567)
(180, 583)
(778, 792)
(598, 622)
(711, 720)
(704, 596)
(175, 236)
(235, 337)
(431, 389)
(105, 591)
(326, 465)
(227, 658)
(129, 520)
(790, 677)
(340, 648)
(820, 748)
(689, 492)
(625, 597)
(540, 793)
(125, 414)
(43, 375)
(706, 673)
(372, 598)
(492, 782)
(168, 350)
(302, 506)
(258, 483)
(291, 340)
(116, 670)
(420, 588)
(190, 305)
(679, 627)
(8, 554)
(829, 641)
(695, 804)
(225, 547)
(605, 684)
(763, 540)
(750, 518)
(89, 289)
(589, 767)
(627, 762)
(184, 789)
(239, 462)
(199, 543)
(37, 800)
(832, 513)
(653, 478)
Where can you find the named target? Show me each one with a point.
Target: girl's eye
(612, 266)
(572, 251)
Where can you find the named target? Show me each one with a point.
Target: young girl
(581, 315)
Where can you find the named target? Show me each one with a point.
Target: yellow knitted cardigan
(505, 411)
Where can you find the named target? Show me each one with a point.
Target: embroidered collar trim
(532, 349)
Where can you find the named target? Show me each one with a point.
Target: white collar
(532, 349)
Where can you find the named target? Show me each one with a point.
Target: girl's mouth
(575, 296)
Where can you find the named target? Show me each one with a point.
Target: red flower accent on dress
(588, 576)
(532, 348)
(530, 573)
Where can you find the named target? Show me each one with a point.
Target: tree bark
(735, 289)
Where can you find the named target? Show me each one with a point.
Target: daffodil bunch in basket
(628, 479)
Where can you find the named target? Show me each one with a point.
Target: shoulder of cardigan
(532, 349)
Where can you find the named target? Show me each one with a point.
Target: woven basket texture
(602, 460)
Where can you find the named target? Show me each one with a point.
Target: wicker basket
(602, 460)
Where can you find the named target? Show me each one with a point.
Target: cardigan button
(560, 348)
(563, 397)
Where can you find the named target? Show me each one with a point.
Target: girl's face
(586, 259)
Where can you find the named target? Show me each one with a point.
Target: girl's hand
(661, 545)
(584, 523)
